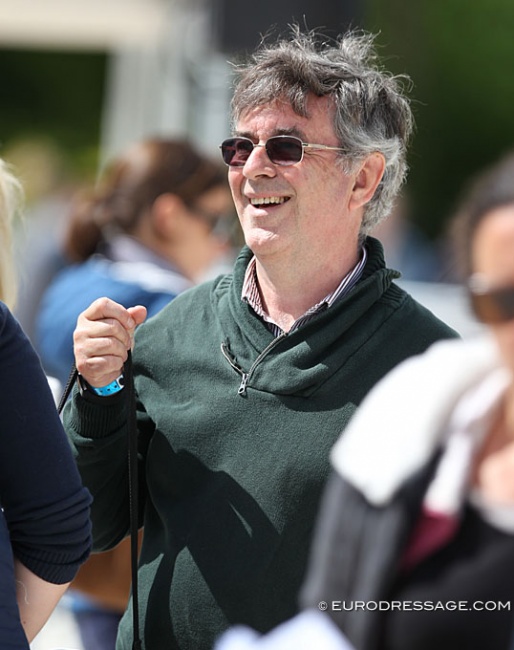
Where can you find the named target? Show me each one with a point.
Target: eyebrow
(289, 131)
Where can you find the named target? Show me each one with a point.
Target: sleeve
(334, 548)
(356, 554)
(12, 635)
(97, 430)
(45, 504)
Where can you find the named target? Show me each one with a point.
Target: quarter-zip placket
(245, 376)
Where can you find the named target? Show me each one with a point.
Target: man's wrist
(102, 391)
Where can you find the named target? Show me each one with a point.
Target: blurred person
(419, 510)
(39, 256)
(49, 188)
(150, 230)
(153, 227)
(244, 383)
(45, 532)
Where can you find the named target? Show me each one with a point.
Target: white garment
(444, 397)
(310, 630)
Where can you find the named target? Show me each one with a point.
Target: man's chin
(264, 243)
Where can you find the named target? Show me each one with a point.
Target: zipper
(225, 350)
(242, 386)
(245, 376)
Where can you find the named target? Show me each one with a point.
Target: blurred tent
(168, 69)
(86, 24)
(162, 74)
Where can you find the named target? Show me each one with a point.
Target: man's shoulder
(189, 307)
(410, 313)
(203, 294)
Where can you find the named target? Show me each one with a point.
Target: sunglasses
(491, 305)
(282, 150)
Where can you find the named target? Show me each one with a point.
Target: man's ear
(164, 213)
(367, 179)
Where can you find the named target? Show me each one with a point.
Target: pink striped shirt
(252, 296)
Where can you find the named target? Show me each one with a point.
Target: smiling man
(245, 383)
(302, 221)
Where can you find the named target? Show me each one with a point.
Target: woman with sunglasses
(44, 510)
(415, 543)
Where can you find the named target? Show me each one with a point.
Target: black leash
(67, 389)
(133, 481)
(133, 494)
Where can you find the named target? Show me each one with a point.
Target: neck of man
(287, 292)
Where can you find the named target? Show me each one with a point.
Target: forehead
(278, 118)
(493, 244)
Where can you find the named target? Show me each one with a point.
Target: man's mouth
(269, 200)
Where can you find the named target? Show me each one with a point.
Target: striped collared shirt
(252, 296)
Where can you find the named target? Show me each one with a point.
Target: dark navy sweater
(44, 516)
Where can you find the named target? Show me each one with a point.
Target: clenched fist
(102, 338)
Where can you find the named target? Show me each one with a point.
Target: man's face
(307, 221)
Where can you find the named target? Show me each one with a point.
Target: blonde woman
(44, 516)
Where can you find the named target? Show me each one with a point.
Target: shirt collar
(251, 294)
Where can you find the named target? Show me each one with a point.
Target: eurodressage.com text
(414, 605)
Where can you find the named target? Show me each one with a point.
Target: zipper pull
(242, 385)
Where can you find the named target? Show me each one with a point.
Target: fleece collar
(301, 361)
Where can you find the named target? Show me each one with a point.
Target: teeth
(269, 199)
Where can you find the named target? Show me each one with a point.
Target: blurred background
(81, 79)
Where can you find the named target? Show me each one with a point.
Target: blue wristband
(110, 389)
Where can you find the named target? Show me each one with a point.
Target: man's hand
(102, 338)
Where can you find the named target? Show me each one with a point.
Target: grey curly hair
(373, 112)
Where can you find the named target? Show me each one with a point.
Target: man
(245, 383)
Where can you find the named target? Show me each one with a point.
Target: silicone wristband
(110, 389)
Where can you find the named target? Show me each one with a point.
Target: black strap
(133, 495)
(133, 481)
(67, 389)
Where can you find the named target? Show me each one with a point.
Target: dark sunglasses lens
(494, 306)
(235, 151)
(284, 150)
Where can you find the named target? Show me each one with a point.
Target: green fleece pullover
(235, 429)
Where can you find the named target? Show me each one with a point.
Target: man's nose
(258, 163)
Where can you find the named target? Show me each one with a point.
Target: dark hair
(489, 189)
(131, 184)
(372, 112)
